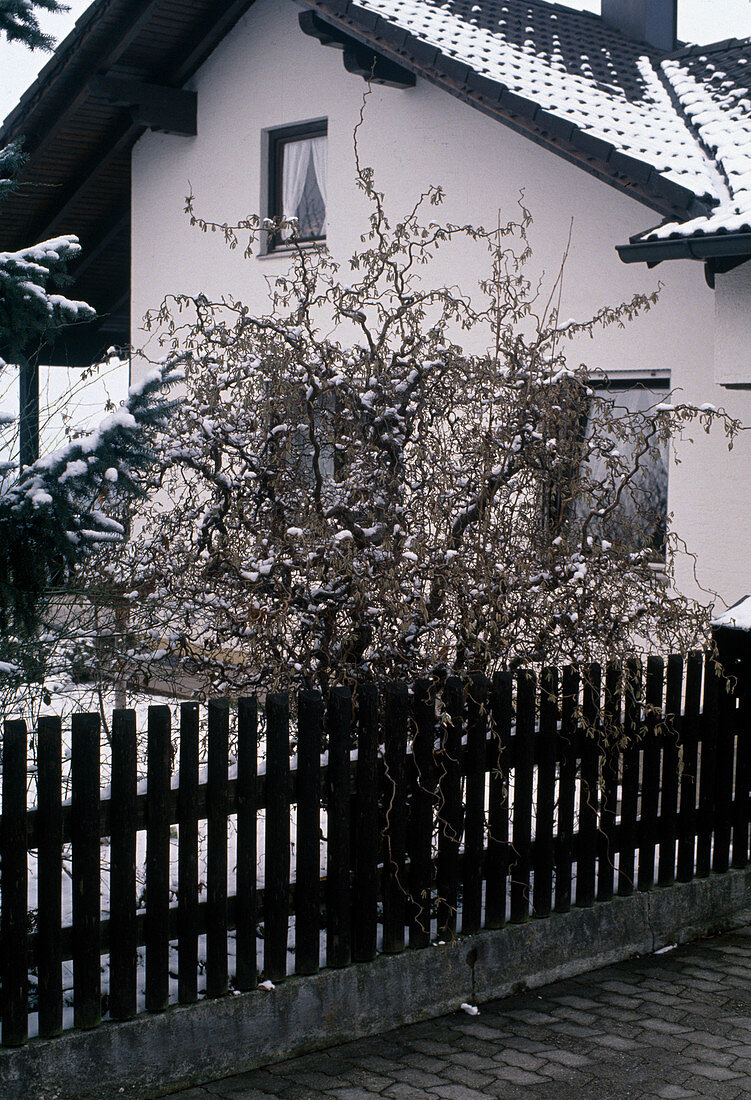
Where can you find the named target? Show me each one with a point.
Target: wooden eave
(78, 142)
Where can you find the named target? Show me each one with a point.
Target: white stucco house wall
(617, 138)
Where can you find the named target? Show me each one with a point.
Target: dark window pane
(639, 522)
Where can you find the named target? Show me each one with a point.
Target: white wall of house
(266, 73)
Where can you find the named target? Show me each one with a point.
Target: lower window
(625, 470)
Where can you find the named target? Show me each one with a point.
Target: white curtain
(319, 147)
(295, 170)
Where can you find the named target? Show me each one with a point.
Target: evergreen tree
(53, 514)
(19, 22)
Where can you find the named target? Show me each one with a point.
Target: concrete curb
(154, 1055)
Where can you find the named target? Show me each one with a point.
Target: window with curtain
(298, 181)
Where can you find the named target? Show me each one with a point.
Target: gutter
(708, 247)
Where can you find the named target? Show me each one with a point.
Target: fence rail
(404, 816)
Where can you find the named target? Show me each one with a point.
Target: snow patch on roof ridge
(650, 130)
(723, 121)
(722, 118)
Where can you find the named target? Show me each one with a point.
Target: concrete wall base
(154, 1055)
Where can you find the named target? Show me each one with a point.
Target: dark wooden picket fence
(468, 803)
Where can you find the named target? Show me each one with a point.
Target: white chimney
(653, 22)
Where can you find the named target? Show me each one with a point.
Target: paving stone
(715, 1073)
(459, 1092)
(470, 1077)
(614, 1042)
(518, 1058)
(675, 1092)
(520, 1076)
(567, 1058)
(705, 1039)
(353, 1094)
(664, 1026)
(403, 1091)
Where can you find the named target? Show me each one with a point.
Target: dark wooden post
(524, 766)
(421, 809)
(544, 836)
(367, 832)
(338, 892)
(28, 423)
(87, 1008)
(247, 808)
(395, 806)
(217, 800)
(50, 827)
(123, 926)
(187, 859)
(497, 860)
(277, 857)
(157, 859)
(13, 849)
(308, 873)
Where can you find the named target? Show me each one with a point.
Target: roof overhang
(121, 72)
(708, 247)
(719, 252)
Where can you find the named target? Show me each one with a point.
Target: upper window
(297, 181)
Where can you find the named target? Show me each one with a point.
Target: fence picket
(338, 888)
(609, 741)
(159, 766)
(688, 813)
(650, 792)
(217, 810)
(308, 872)
(742, 722)
(123, 926)
(276, 840)
(567, 755)
(395, 882)
(85, 836)
(246, 976)
(14, 862)
(497, 859)
(524, 761)
(187, 869)
(367, 833)
(450, 811)
(707, 767)
(630, 779)
(589, 755)
(724, 774)
(474, 823)
(422, 802)
(49, 886)
(670, 736)
(543, 891)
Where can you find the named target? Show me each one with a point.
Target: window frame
(276, 139)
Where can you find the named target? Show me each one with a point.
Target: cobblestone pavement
(669, 1026)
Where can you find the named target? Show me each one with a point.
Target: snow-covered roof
(713, 87)
(572, 65)
(681, 119)
(737, 616)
